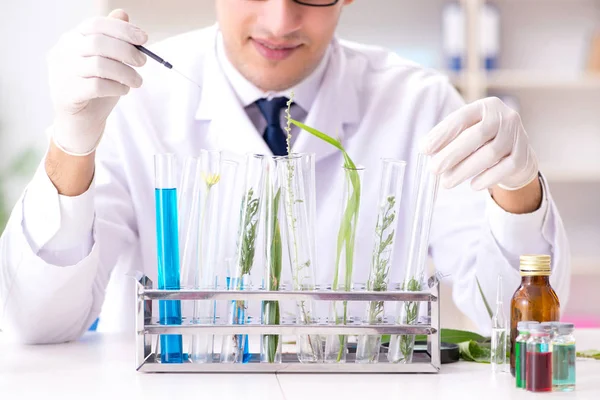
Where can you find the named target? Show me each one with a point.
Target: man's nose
(281, 18)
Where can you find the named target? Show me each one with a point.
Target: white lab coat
(378, 103)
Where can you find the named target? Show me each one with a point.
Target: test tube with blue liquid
(167, 241)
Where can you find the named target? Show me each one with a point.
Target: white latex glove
(89, 69)
(486, 141)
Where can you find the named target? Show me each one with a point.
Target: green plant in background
(347, 231)
(22, 166)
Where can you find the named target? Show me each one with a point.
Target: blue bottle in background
(454, 39)
(489, 36)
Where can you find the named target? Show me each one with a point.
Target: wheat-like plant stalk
(297, 264)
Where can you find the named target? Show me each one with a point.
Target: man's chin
(270, 79)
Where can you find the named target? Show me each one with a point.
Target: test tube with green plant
(271, 314)
(401, 347)
(297, 179)
(336, 345)
(199, 203)
(297, 228)
(388, 205)
(233, 348)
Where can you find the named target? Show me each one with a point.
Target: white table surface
(101, 366)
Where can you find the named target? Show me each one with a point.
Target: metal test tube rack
(146, 329)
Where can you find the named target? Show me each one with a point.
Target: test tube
(189, 199)
(310, 344)
(270, 349)
(308, 163)
(232, 181)
(201, 199)
(167, 253)
(296, 175)
(388, 208)
(423, 207)
(231, 189)
(401, 346)
(235, 347)
(336, 346)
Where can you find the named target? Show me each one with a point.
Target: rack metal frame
(148, 361)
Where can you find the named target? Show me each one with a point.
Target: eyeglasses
(317, 3)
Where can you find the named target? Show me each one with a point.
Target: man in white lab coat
(90, 206)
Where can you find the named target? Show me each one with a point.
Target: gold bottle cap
(535, 265)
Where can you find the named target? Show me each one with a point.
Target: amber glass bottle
(534, 300)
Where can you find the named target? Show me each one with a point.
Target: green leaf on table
(457, 336)
(473, 351)
(472, 346)
(595, 354)
(448, 336)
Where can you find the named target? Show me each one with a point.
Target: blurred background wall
(538, 56)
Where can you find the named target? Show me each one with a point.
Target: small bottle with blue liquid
(563, 358)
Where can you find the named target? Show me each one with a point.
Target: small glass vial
(521, 352)
(563, 358)
(553, 325)
(498, 345)
(539, 360)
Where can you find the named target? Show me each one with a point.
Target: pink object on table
(582, 321)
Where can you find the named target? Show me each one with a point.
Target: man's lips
(274, 51)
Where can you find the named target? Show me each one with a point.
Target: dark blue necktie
(274, 134)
